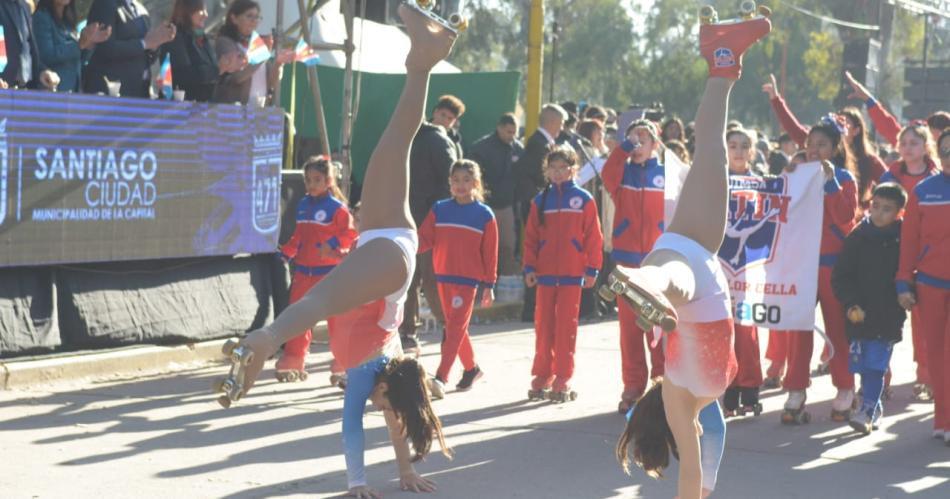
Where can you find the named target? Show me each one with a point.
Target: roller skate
(794, 412)
(540, 388)
(338, 380)
(233, 384)
(750, 401)
(771, 383)
(469, 378)
(722, 43)
(842, 405)
(923, 392)
(730, 402)
(290, 369)
(651, 306)
(455, 23)
(823, 368)
(561, 396)
(436, 388)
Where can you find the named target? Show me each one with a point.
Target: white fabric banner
(770, 250)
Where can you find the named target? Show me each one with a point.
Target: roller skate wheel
(458, 22)
(708, 15)
(747, 9)
(229, 346)
(224, 401)
(605, 293)
(425, 4)
(303, 375)
(668, 323)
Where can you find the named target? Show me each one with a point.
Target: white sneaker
(436, 388)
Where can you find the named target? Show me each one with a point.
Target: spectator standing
(495, 154)
(254, 81)
(127, 55)
(60, 47)
(195, 65)
(24, 68)
(430, 160)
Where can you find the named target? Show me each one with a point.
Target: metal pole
(346, 130)
(278, 43)
(315, 86)
(554, 37)
(926, 43)
(535, 48)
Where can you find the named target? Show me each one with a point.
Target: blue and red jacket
(637, 192)
(841, 206)
(925, 235)
(897, 172)
(323, 220)
(464, 243)
(569, 244)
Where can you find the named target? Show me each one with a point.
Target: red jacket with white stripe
(841, 205)
(321, 221)
(886, 124)
(925, 235)
(464, 243)
(897, 172)
(569, 244)
(637, 192)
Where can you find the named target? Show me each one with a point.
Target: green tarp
(486, 97)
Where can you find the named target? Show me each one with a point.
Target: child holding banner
(744, 392)
(323, 235)
(923, 278)
(683, 277)
(367, 290)
(634, 178)
(863, 280)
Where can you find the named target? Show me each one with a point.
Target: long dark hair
(322, 165)
(475, 171)
(563, 153)
(409, 396)
(843, 158)
(650, 435)
(238, 8)
(69, 18)
(182, 12)
(862, 148)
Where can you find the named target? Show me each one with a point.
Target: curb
(29, 371)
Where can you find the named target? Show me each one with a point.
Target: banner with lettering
(770, 250)
(91, 179)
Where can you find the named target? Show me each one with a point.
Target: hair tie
(835, 121)
(919, 122)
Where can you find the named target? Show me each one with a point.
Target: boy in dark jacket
(863, 280)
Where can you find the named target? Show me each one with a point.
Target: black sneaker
(468, 379)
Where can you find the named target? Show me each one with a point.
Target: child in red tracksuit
(463, 236)
(743, 395)
(324, 233)
(634, 178)
(563, 249)
(923, 278)
(826, 141)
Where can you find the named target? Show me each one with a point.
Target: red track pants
(747, 355)
(555, 332)
(296, 350)
(920, 347)
(801, 343)
(633, 362)
(776, 353)
(933, 307)
(457, 304)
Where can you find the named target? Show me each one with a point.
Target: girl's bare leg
(386, 185)
(379, 267)
(701, 211)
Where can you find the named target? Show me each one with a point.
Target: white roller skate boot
(842, 405)
(794, 412)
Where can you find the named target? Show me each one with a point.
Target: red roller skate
(540, 388)
(722, 43)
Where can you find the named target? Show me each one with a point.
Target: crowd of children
(884, 251)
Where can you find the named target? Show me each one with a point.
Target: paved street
(161, 435)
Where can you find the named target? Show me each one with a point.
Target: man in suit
(529, 176)
(24, 67)
(127, 55)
